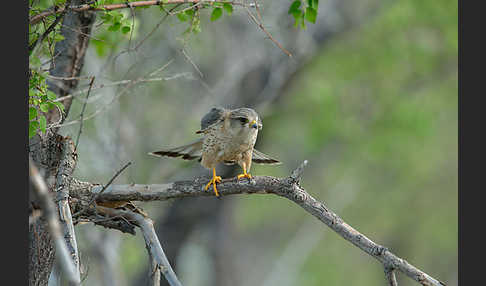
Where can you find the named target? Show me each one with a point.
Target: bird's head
(245, 121)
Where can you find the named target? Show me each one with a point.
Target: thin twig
(95, 196)
(37, 18)
(191, 62)
(130, 83)
(260, 25)
(51, 27)
(82, 112)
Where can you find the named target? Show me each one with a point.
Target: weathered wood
(288, 187)
(152, 242)
(50, 214)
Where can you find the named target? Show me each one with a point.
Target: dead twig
(260, 25)
(82, 112)
(95, 196)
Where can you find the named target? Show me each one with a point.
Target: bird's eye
(243, 120)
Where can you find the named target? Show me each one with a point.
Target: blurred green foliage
(376, 115)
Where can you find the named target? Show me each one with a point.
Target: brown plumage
(228, 137)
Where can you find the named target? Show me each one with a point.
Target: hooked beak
(253, 124)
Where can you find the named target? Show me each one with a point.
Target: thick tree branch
(50, 213)
(152, 243)
(285, 187)
(70, 61)
(63, 176)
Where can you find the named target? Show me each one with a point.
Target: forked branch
(288, 187)
(152, 242)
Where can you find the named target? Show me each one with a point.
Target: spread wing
(215, 115)
(187, 152)
(260, 158)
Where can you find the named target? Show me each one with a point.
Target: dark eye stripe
(242, 119)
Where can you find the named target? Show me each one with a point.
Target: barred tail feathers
(187, 152)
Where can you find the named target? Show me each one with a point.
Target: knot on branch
(379, 251)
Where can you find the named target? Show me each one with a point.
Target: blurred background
(369, 97)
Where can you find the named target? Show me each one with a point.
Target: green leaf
(217, 12)
(58, 37)
(190, 12)
(302, 23)
(313, 3)
(182, 17)
(42, 123)
(297, 14)
(125, 29)
(294, 7)
(228, 8)
(33, 126)
(115, 27)
(51, 95)
(106, 17)
(44, 107)
(117, 17)
(32, 113)
(310, 14)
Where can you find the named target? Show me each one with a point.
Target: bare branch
(82, 112)
(50, 214)
(95, 196)
(63, 176)
(129, 84)
(152, 243)
(297, 173)
(260, 25)
(186, 56)
(284, 187)
(390, 276)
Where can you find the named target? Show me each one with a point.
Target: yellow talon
(244, 175)
(213, 181)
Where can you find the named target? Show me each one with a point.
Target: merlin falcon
(228, 138)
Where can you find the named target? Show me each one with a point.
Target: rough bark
(47, 151)
(67, 263)
(69, 56)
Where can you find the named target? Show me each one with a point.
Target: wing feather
(260, 158)
(187, 152)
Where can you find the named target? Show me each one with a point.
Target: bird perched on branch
(228, 137)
